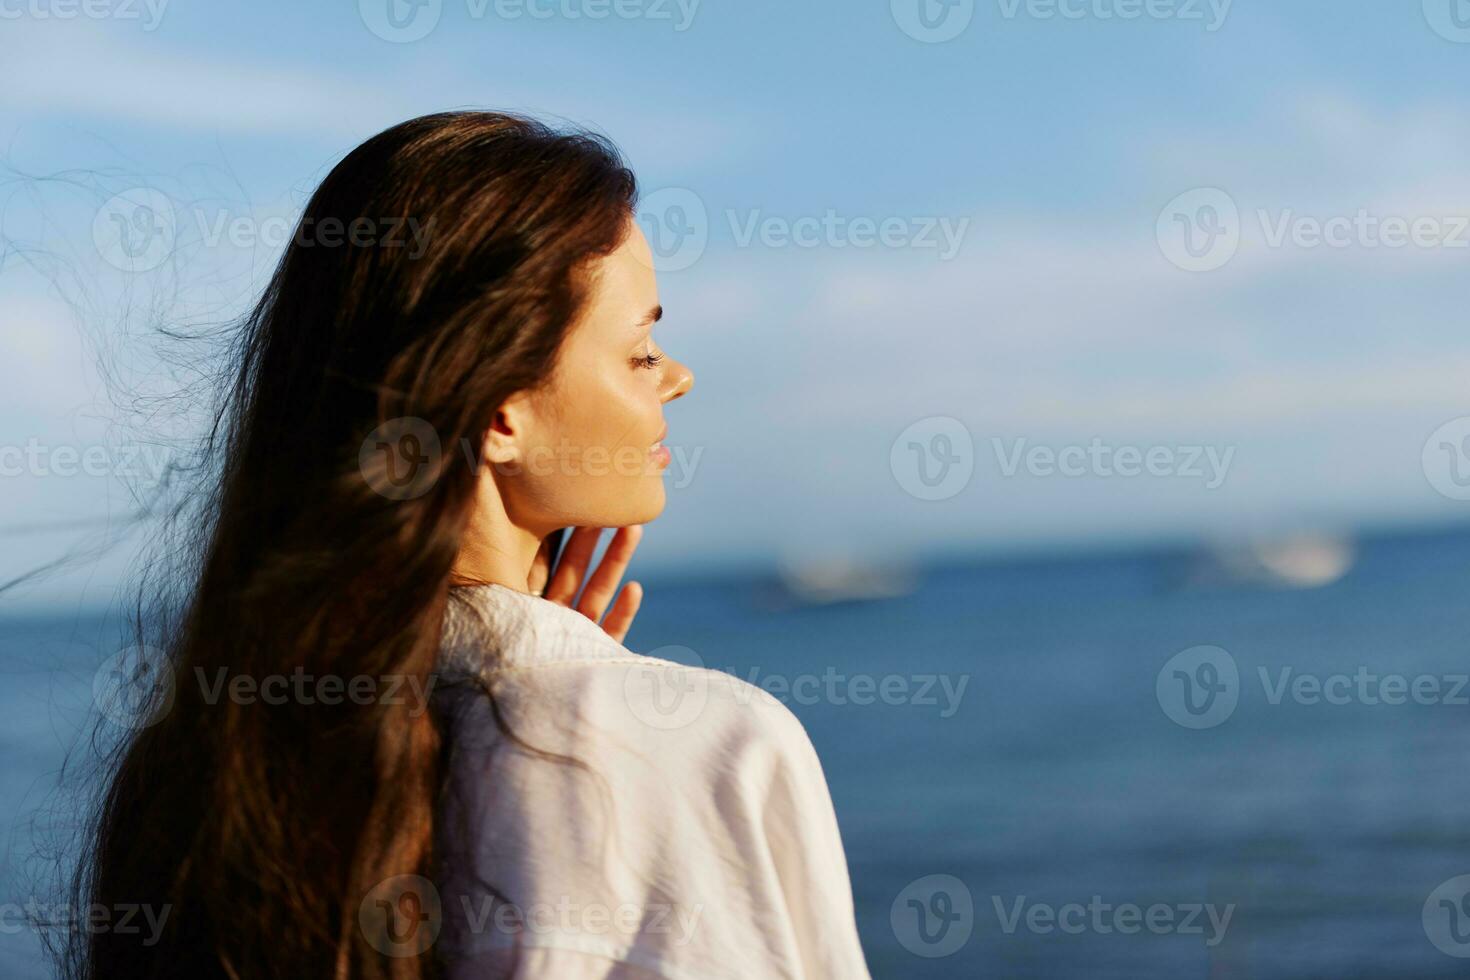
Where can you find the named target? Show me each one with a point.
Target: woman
(506, 789)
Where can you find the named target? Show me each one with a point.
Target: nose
(678, 380)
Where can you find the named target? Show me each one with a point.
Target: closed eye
(647, 360)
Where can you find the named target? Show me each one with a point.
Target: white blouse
(684, 829)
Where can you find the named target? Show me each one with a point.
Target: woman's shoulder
(706, 717)
(509, 637)
(583, 769)
(561, 683)
(542, 659)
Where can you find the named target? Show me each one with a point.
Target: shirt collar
(494, 627)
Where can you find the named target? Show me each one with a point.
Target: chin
(644, 505)
(640, 505)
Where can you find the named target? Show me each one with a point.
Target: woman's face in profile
(590, 440)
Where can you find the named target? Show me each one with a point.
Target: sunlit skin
(579, 452)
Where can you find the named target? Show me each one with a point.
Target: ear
(505, 439)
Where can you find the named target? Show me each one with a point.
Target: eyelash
(648, 360)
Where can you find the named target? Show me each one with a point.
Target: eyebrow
(651, 317)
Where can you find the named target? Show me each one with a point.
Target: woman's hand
(571, 571)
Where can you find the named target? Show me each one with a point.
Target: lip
(659, 451)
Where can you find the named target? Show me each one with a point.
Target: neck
(495, 549)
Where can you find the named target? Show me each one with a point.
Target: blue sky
(1056, 142)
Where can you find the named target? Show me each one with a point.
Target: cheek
(593, 466)
(610, 411)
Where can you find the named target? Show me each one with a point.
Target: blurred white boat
(827, 580)
(1294, 561)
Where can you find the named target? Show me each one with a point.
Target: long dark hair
(260, 825)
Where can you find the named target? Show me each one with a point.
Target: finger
(572, 568)
(598, 591)
(620, 617)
